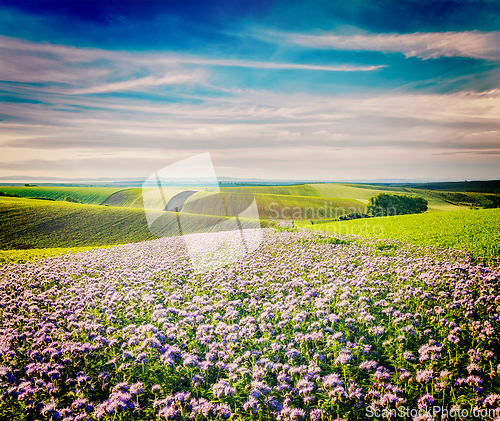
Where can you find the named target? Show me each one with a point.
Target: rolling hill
(87, 195)
(31, 223)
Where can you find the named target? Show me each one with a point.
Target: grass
(273, 206)
(31, 224)
(477, 232)
(298, 190)
(38, 224)
(88, 195)
(124, 198)
(483, 200)
(347, 191)
(363, 192)
(133, 198)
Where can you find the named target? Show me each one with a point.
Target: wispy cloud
(425, 45)
(92, 70)
(270, 65)
(170, 78)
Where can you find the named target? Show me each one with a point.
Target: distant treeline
(473, 199)
(488, 186)
(385, 204)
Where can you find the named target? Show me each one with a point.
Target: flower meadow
(307, 327)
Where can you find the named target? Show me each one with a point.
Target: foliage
(472, 199)
(7, 194)
(484, 186)
(385, 204)
(71, 199)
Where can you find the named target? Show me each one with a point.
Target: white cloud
(425, 45)
(170, 78)
(332, 136)
(264, 65)
(286, 135)
(93, 70)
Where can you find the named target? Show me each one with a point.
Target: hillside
(363, 192)
(272, 206)
(474, 199)
(88, 195)
(294, 190)
(31, 223)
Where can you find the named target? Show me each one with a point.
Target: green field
(274, 206)
(484, 200)
(133, 197)
(88, 195)
(296, 190)
(347, 191)
(364, 192)
(124, 198)
(476, 231)
(30, 223)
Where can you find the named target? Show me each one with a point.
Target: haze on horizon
(315, 90)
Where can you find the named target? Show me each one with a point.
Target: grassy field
(298, 190)
(88, 195)
(476, 231)
(274, 206)
(124, 198)
(346, 191)
(484, 200)
(364, 192)
(133, 198)
(30, 223)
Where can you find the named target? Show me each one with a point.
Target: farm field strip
(273, 206)
(308, 327)
(87, 195)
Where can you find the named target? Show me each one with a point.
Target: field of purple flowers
(305, 328)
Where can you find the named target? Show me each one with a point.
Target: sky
(289, 90)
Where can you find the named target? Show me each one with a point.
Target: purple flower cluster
(301, 329)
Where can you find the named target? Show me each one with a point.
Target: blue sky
(324, 90)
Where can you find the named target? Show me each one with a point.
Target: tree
(385, 204)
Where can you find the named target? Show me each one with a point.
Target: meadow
(296, 195)
(477, 231)
(87, 195)
(308, 327)
(41, 224)
(273, 206)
